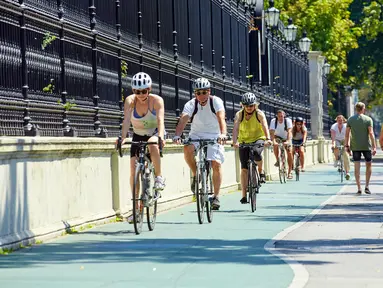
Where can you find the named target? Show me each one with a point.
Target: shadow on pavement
(194, 251)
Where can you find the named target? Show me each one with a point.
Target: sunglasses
(250, 106)
(143, 92)
(203, 92)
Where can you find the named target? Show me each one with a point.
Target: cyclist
(280, 129)
(338, 133)
(146, 113)
(299, 132)
(207, 116)
(250, 126)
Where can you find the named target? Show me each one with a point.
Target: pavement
(341, 245)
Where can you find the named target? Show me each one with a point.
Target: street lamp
(305, 43)
(326, 68)
(290, 31)
(272, 15)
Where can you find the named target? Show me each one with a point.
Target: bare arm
(159, 107)
(332, 137)
(236, 128)
(265, 127)
(372, 137)
(289, 134)
(304, 136)
(381, 139)
(127, 115)
(181, 124)
(347, 137)
(272, 134)
(222, 122)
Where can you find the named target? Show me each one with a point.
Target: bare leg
(289, 159)
(302, 157)
(368, 173)
(217, 177)
(357, 174)
(276, 150)
(189, 158)
(244, 181)
(154, 151)
(132, 174)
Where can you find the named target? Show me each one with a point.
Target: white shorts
(215, 152)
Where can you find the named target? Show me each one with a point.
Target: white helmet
(201, 83)
(248, 99)
(141, 81)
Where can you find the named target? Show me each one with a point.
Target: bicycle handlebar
(139, 143)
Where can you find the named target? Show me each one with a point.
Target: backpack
(243, 115)
(276, 123)
(196, 108)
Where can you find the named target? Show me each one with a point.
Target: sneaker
(194, 198)
(335, 163)
(243, 200)
(262, 178)
(159, 183)
(367, 191)
(192, 186)
(130, 219)
(359, 192)
(215, 203)
(348, 176)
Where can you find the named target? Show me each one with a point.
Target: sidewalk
(342, 246)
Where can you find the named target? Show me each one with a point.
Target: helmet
(141, 81)
(248, 99)
(201, 83)
(299, 119)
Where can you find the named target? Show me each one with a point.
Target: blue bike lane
(179, 252)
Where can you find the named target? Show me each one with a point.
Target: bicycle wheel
(296, 167)
(199, 194)
(210, 194)
(151, 210)
(341, 168)
(283, 167)
(280, 168)
(254, 188)
(138, 205)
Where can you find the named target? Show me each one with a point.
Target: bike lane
(179, 252)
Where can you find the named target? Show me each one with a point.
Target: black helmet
(299, 119)
(248, 99)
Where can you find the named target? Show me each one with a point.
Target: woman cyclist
(146, 113)
(299, 132)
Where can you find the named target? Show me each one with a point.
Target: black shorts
(297, 142)
(244, 153)
(134, 148)
(357, 156)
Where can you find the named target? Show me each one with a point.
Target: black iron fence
(66, 65)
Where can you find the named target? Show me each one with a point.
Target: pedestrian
(360, 130)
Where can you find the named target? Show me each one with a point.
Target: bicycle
(253, 178)
(145, 172)
(281, 162)
(340, 161)
(297, 160)
(204, 180)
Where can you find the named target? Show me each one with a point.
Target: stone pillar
(316, 62)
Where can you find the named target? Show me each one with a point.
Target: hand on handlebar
(222, 139)
(269, 143)
(177, 140)
(236, 145)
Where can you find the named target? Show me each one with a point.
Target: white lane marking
(301, 275)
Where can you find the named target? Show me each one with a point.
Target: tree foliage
(330, 28)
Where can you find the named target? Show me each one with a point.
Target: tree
(330, 28)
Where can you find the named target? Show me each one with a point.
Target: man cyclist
(207, 116)
(250, 126)
(280, 129)
(338, 133)
(145, 111)
(299, 134)
(360, 128)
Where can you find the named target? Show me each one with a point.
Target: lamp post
(326, 69)
(290, 31)
(304, 43)
(272, 15)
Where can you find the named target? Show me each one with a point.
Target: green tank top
(250, 130)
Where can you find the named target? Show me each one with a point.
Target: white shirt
(280, 130)
(339, 135)
(205, 123)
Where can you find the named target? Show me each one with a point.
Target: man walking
(362, 142)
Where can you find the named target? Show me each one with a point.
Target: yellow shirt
(250, 130)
